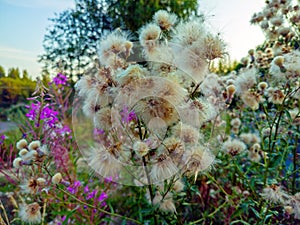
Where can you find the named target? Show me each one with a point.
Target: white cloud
(18, 54)
(53, 4)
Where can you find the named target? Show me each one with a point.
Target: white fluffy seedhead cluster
(142, 120)
(275, 18)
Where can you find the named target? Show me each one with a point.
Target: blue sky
(23, 24)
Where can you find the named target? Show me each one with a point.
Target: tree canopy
(70, 44)
(13, 88)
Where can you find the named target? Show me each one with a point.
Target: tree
(71, 43)
(131, 15)
(14, 73)
(25, 75)
(2, 72)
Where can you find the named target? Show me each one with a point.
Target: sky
(23, 24)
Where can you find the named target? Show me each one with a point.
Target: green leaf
(255, 212)
(239, 221)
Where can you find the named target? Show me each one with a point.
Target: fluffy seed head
(41, 181)
(262, 86)
(163, 169)
(17, 163)
(140, 148)
(274, 193)
(57, 178)
(214, 47)
(279, 60)
(149, 35)
(236, 122)
(21, 144)
(164, 19)
(30, 213)
(230, 89)
(23, 152)
(254, 153)
(233, 146)
(34, 145)
(178, 186)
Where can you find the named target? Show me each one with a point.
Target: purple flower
(60, 79)
(50, 116)
(86, 189)
(102, 196)
(98, 132)
(127, 116)
(103, 204)
(91, 194)
(108, 179)
(77, 184)
(64, 131)
(2, 138)
(33, 110)
(47, 114)
(73, 189)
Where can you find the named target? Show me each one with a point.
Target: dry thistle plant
(143, 112)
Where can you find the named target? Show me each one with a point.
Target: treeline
(15, 86)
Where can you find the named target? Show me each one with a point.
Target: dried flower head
(149, 35)
(254, 153)
(231, 89)
(164, 19)
(163, 169)
(245, 81)
(275, 96)
(23, 152)
(233, 146)
(189, 32)
(165, 203)
(104, 161)
(30, 213)
(140, 148)
(34, 145)
(251, 99)
(178, 186)
(198, 159)
(175, 147)
(236, 122)
(188, 134)
(17, 163)
(294, 201)
(262, 86)
(214, 47)
(111, 45)
(57, 178)
(276, 21)
(149, 108)
(274, 193)
(30, 186)
(41, 181)
(250, 138)
(21, 144)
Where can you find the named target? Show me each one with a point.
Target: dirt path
(6, 126)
